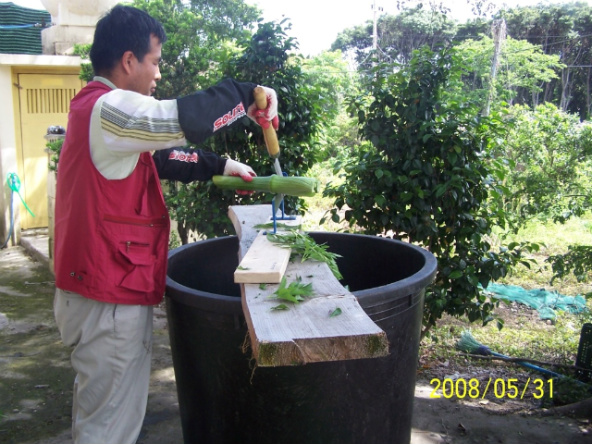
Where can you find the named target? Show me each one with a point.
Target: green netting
(20, 29)
(11, 14)
(547, 303)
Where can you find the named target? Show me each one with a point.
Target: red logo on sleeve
(183, 157)
(230, 117)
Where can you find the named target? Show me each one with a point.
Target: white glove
(269, 114)
(234, 168)
(246, 173)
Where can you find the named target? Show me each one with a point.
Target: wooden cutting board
(329, 326)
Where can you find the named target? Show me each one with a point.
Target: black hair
(122, 29)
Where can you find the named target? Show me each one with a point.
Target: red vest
(111, 236)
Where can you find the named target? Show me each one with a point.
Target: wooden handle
(269, 134)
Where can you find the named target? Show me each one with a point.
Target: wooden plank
(263, 263)
(260, 260)
(306, 332)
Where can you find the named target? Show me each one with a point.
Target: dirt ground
(36, 380)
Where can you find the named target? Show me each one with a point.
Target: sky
(316, 23)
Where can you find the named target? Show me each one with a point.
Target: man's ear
(127, 61)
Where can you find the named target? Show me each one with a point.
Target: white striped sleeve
(125, 124)
(133, 123)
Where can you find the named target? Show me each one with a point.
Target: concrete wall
(7, 153)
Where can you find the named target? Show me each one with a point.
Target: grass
(555, 239)
(524, 334)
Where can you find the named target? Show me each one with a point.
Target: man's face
(146, 73)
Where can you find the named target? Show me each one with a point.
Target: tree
(522, 69)
(201, 38)
(548, 153)
(479, 8)
(424, 177)
(331, 74)
(418, 23)
(398, 36)
(549, 159)
(577, 261)
(473, 29)
(357, 40)
(335, 81)
(564, 30)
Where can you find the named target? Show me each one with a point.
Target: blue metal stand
(274, 216)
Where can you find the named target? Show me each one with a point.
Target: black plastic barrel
(225, 399)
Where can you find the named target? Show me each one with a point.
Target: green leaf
(295, 292)
(440, 190)
(280, 307)
(335, 312)
(406, 196)
(473, 280)
(455, 274)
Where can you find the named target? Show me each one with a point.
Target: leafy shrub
(548, 154)
(427, 178)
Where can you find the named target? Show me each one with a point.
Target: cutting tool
(273, 148)
(269, 134)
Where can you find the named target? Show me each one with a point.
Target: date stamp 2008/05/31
(500, 388)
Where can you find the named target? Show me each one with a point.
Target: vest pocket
(139, 274)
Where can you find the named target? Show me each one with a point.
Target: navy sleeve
(203, 113)
(187, 165)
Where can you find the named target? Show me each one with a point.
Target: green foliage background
(419, 158)
(426, 179)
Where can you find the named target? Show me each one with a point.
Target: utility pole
(375, 28)
(499, 36)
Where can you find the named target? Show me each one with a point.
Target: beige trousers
(112, 351)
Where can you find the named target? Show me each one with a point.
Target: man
(111, 224)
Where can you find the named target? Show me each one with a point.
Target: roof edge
(39, 60)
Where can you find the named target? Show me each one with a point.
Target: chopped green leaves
(305, 246)
(295, 292)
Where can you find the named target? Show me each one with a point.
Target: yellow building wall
(42, 99)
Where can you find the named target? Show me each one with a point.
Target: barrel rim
(411, 284)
